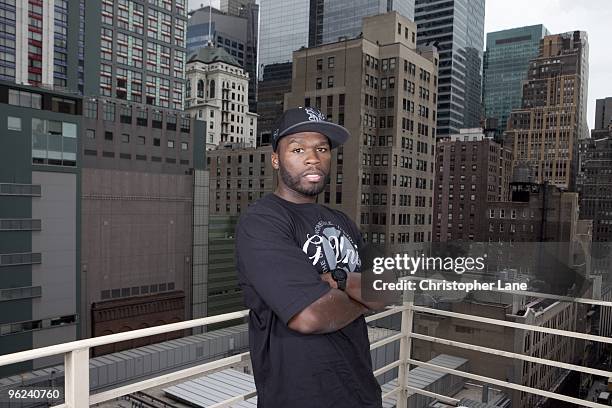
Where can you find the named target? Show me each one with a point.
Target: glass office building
(506, 61)
(456, 28)
(342, 18)
(288, 25)
(283, 29)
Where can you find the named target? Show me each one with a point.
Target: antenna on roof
(210, 42)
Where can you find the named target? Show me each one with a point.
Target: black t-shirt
(282, 248)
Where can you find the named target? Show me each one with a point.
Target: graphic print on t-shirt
(330, 247)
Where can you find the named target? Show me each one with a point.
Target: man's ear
(275, 164)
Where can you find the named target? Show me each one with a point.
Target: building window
(14, 123)
(319, 64)
(91, 109)
(108, 135)
(331, 62)
(141, 140)
(211, 92)
(142, 119)
(90, 134)
(125, 138)
(330, 81)
(25, 99)
(171, 144)
(319, 83)
(54, 142)
(184, 146)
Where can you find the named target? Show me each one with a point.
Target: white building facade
(217, 91)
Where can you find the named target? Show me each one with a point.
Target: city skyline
(500, 15)
(127, 164)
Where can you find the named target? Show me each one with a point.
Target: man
(298, 266)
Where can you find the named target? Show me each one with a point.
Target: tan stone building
(383, 90)
(544, 131)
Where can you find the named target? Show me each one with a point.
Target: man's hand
(353, 289)
(328, 278)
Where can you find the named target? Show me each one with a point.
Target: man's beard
(293, 182)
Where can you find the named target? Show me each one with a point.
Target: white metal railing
(76, 357)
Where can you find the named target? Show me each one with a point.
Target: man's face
(303, 160)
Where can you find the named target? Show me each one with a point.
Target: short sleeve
(356, 235)
(269, 260)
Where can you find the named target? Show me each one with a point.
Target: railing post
(405, 345)
(76, 378)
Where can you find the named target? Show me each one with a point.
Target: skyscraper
(471, 171)
(283, 29)
(46, 50)
(342, 18)
(544, 132)
(456, 28)
(288, 25)
(381, 87)
(235, 7)
(136, 51)
(595, 187)
(506, 62)
(603, 117)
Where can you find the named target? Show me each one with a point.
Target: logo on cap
(314, 115)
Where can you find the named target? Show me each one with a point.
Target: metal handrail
(77, 393)
(115, 338)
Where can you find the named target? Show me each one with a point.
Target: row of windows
(140, 157)
(319, 82)
(27, 258)
(238, 194)
(240, 158)
(237, 207)
(228, 171)
(404, 237)
(512, 228)
(21, 224)
(20, 293)
(25, 99)
(20, 189)
(330, 101)
(141, 140)
(136, 290)
(19, 327)
(228, 184)
(501, 213)
(126, 113)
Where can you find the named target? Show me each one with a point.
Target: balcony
(401, 391)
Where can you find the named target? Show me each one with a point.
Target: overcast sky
(593, 16)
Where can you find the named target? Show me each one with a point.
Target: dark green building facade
(39, 219)
(506, 61)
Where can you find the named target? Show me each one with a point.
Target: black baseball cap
(308, 119)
